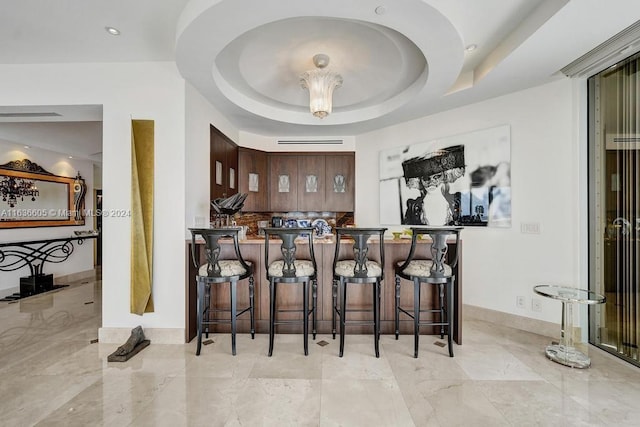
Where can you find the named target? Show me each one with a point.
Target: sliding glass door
(614, 202)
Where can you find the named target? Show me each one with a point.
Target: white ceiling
(400, 59)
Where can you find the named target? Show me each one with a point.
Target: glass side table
(564, 352)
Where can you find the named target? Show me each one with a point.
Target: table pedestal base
(567, 356)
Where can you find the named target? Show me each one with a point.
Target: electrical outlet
(520, 302)
(536, 304)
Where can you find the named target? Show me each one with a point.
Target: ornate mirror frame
(70, 211)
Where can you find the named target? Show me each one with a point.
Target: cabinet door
(340, 183)
(311, 182)
(223, 165)
(252, 179)
(218, 158)
(283, 182)
(232, 168)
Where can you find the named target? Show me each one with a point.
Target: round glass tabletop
(568, 294)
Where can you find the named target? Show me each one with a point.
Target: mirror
(32, 197)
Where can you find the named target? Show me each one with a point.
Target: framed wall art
(463, 179)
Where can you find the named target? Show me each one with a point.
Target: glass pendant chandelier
(321, 84)
(12, 189)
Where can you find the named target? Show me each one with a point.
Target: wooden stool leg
(200, 314)
(343, 307)
(314, 308)
(416, 316)
(450, 314)
(334, 292)
(234, 314)
(397, 307)
(376, 318)
(272, 314)
(207, 308)
(252, 307)
(305, 311)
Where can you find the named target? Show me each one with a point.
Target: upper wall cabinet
(339, 191)
(283, 182)
(224, 165)
(312, 182)
(253, 179)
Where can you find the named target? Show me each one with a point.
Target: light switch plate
(530, 227)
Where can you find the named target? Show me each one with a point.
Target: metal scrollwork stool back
(291, 269)
(358, 269)
(432, 271)
(219, 271)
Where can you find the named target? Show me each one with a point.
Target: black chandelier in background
(13, 188)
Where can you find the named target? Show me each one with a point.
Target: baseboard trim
(74, 277)
(155, 335)
(528, 324)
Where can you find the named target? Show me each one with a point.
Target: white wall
(200, 114)
(501, 264)
(57, 164)
(270, 143)
(153, 91)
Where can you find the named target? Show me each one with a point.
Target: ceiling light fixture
(113, 31)
(321, 84)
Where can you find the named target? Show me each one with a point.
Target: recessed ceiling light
(71, 157)
(113, 31)
(26, 146)
(380, 10)
(471, 48)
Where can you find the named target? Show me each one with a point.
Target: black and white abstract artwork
(458, 180)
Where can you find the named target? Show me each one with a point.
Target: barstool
(290, 269)
(432, 271)
(358, 269)
(219, 271)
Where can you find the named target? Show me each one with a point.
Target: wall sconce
(321, 83)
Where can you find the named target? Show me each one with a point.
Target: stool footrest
(226, 310)
(358, 322)
(289, 322)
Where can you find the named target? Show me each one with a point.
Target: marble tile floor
(53, 374)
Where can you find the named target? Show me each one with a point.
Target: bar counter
(290, 297)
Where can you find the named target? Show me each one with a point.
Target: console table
(34, 254)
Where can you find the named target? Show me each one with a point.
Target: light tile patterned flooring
(52, 375)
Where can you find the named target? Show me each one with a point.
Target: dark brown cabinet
(339, 195)
(311, 182)
(283, 182)
(253, 179)
(224, 165)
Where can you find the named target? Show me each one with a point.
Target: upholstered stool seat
(356, 268)
(303, 268)
(432, 271)
(292, 269)
(218, 271)
(347, 268)
(228, 268)
(422, 268)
